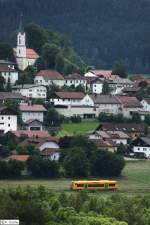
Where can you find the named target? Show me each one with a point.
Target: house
(34, 124)
(31, 133)
(141, 146)
(117, 84)
(8, 72)
(84, 111)
(24, 56)
(31, 91)
(71, 98)
(106, 74)
(107, 145)
(130, 90)
(17, 97)
(95, 84)
(131, 129)
(106, 103)
(49, 77)
(48, 147)
(30, 112)
(118, 137)
(74, 80)
(8, 119)
(146, 104)
(130, 105)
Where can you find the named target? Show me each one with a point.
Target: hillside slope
(102, 31)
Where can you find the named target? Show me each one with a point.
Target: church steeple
(21, 40)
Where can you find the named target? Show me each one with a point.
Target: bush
(76, 163)
(104, 117)
(121, 149)
(105, 163)
(40, 167)
(76, 119)
(11, 169)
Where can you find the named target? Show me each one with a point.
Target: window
(2, 117)
(95, 185)
(9, 117)
(19, 40)
(8, 125)
(79, 185)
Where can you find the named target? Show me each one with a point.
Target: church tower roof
(21, 28)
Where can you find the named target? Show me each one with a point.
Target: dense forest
(41, 206)
(102, 31)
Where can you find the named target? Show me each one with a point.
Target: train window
(79, 185)
(111, 185)
(95, 185)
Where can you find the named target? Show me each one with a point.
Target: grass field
(78, 128)
(135, 179)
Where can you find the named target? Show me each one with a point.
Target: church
(24, 56)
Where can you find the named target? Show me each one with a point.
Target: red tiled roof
(50, 75)
(128, 102)
(125, 127)
(31, 134)
(104, 143)
(70, 95)
(6, 68)
(104, 73)
(38, 141)
(32, 108)
(49, 152)
(75, 76)
(31, 54)
(22, 158)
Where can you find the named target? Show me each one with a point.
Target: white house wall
(77, 111)
(145, 150)
(32, 115)
(97, 88)
(75, 82)
(12, 75)
(46, 82)
(33, 92)
(87, 101)
(146, 106)
(8, 122)
(109, 108)
(127, 112)
(66, 102)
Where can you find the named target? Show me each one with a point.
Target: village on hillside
(31, 113)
